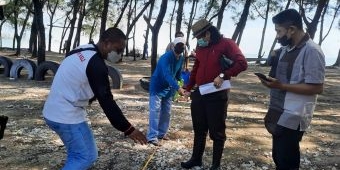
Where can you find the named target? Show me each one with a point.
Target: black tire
(18, 65)
(7, 64)
(145, 83)
(43, 68)
(116, 77)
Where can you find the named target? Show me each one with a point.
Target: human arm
(313, 73)
(239, 62)
(301, 88)
(166, 64)
(192, 79)
(97, 75)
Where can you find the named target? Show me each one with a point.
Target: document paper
(210, 88)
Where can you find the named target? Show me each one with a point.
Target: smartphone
(262, 76)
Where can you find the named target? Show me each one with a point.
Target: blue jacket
(168, 71)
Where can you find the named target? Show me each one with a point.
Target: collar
(97, 49)
(177, 57)
(302, 43)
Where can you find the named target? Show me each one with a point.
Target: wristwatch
(221, 75)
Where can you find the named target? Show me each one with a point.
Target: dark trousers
(208, 113)
(286, 148)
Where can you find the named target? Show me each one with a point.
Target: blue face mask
(202, 43)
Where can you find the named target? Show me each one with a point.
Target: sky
(249, 45)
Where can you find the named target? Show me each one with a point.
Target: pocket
(306, 116)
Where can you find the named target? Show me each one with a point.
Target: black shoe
(191, 163)
(215, 167)
(3, 122)
(164, 138)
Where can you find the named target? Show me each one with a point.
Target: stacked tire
(20, 64)
(6, 63)
(38, 73)
(44, 67)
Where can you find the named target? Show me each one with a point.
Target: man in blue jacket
(163, 86)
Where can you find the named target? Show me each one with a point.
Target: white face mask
(113, 57)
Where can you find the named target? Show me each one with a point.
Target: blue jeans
(159, 118)
(79, 142)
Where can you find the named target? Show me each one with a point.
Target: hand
(187, 94)
(138, 136)
(273, 83)
(218, 81)
(181, 91)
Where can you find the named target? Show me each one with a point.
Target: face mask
(179, 49)
(284, 41)
(202, 43)
(113, 57)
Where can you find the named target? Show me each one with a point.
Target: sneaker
(164, 138)
(154, 143)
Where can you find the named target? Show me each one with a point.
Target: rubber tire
(18, 65)
(7, 63)
(43, 68)
(116, 77)
(145, 83)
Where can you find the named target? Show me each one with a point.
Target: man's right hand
(138, 136)
(181, 91)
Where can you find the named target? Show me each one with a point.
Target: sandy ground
(29, 144)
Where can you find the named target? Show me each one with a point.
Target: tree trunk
(191, 19)
(134, 21)
(171, 19)
(220, 13)
(129, 16)
(147, 31)
(242, 22)
(134, 33)
(82, 14)
(104, 16)
(275, 40)
(155, 30)
(208, 10)
(76, 4)
(337, 62)
(38, 6)
(63, 33)
(33, 42)
(122, 12)
(322, 22)
(312, 26)
(17, 36)
(330, 27)
(94, 25)
(52, 9)
(239, 37)
(259, 55)
(179, 15)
